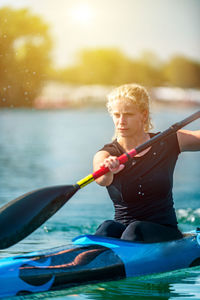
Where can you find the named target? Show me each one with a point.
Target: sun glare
(82, 14)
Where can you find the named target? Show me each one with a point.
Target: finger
(114, 165)
(120, 168)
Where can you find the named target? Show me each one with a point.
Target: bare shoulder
(188, 140)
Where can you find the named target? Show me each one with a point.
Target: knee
(106, 224)
(135, 226)
(110, 228)
(133, 232)
(104, 227)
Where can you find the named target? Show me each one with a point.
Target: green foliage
(182, 72)
(24, 57)
(25, 63)
(102, 66)
(111, 67)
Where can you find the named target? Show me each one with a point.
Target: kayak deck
(142, 258)
(94, 259)
(59, 268)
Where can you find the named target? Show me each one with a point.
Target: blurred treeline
(25, 48)
(26, 63)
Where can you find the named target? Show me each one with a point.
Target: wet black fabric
(139, 231)
(143, 190)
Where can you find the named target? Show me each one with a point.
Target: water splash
(189, 216)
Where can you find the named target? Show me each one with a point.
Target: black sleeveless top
(143, 189)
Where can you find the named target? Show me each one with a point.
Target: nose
(122, 119)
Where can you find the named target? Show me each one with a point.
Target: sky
(165, 27)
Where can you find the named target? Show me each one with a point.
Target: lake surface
(45, 148)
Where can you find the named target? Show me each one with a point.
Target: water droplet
(5, 36)
(4, 88)
(140, 185)
(34, 73)
(4, 100)
(139, 193)
(142, 194)
(46, 229)
(154, 153)
(25, 93)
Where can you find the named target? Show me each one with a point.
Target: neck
(129, 143)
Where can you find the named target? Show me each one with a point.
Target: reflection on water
(44, 148)
(172, 285)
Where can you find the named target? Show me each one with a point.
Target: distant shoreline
(63, 96)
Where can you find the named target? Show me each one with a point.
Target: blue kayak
(94, 259)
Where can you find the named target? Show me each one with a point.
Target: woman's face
(128, 119)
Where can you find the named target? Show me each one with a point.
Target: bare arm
(103, 158)
(189, 140)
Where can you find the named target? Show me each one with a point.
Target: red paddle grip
(122, 159)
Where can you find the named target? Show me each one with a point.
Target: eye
(116, 115)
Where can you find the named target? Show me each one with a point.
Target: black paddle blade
(25, 214)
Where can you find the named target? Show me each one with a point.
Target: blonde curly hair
(137, 94)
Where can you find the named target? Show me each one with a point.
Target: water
(45, 148)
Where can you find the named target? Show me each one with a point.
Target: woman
(141, 190)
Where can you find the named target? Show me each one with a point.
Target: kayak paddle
(23, 215)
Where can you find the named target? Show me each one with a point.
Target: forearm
(104, 159)
(105, 180)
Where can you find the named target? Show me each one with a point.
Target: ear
(145, 115)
